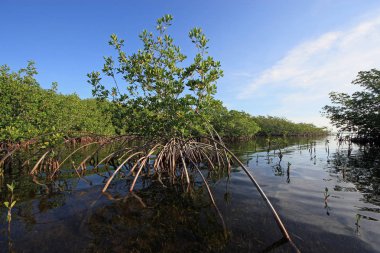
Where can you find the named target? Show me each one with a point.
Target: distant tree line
(27, 111)
(241, 125)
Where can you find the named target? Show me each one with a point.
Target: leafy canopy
(27, 110)
(161, 95)
(359, 112)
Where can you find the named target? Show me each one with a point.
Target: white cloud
(317, 67)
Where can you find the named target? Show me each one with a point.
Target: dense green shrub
(277, 126)
(27, 110)
(235, 124)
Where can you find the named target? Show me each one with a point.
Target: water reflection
(278, 170)
(361, 167)
(168, 221)
(358, 217)
(352, 163)
(327, 193)
(345, 177)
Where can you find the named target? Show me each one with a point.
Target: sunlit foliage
(359, 112)
(160, 94)
(27, 110)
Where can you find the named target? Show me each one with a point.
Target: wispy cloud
(311, 70)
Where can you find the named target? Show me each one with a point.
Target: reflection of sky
(280, 58)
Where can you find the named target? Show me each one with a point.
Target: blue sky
(279, 58)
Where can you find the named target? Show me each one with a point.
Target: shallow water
(77, 217)
(347, 222)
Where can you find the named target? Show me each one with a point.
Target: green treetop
(160, 96)
(359, 112)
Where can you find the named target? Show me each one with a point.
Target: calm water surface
(347, 222)
(326, 194)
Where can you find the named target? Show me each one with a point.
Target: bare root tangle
(34, 170)
(166, 162)
(71, 154)
(120, 166)
(171, 159)
(6, 156)
(8, 149)
(143, 163)
(50, 165)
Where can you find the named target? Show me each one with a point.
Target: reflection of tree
(358, 217)
(361, 168)
(278, 170)
(172, 221)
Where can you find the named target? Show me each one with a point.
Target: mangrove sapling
(268, 140)
(278, 170)
(10, 204)
(326, 196)
(288, 173)
(280, 155)
(357, 226)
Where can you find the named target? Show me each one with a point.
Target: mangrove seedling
(280, 155)
(288, 173)
(357, 219)
(10, 203)
(326, 196)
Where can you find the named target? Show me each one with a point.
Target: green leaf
(11, 186)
